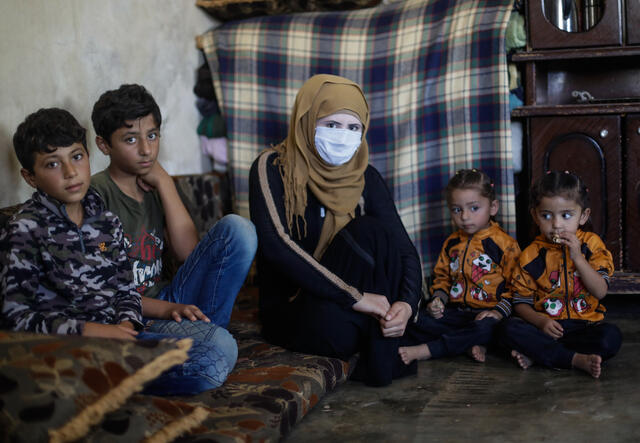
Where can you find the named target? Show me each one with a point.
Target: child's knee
(211, 362)
(227, 346)
(240, 231)
(506, 327)
(509, 329)
(611, 340)
(215, 338)
(487, 323)
(485, 328)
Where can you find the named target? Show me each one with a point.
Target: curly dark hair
(115, 107)
(44, 131)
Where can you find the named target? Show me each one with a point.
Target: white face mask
(337, 146)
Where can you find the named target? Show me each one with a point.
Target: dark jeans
(452, 334)
(603, 339)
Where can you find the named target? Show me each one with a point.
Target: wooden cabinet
(633, 22)
(631, 190)
(543, 34)
(590, 147)
(582, 114)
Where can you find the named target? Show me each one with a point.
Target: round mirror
(573, 15)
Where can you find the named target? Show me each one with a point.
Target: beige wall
(65, 53)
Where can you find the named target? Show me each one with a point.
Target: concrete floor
(459, 400)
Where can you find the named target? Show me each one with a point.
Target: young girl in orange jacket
(559, 284)
(470, 293)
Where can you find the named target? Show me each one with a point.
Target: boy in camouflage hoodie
(64, 269)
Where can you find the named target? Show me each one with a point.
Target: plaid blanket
(434, 73)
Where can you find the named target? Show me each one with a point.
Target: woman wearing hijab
(338, 274)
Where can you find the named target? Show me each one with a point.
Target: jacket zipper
(464, 275)
(77, 228)
(566, 282)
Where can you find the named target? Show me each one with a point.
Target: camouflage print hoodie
(55, 276)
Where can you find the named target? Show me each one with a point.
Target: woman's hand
(395, 320)
(372, 304)
(121, 331)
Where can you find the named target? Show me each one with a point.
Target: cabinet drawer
(545, 35)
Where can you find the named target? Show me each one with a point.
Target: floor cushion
(56, 387)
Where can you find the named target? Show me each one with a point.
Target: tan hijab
(337, 187)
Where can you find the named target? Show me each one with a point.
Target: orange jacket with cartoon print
(546, 278)
(475, 270)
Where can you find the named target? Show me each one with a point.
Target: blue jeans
(211, 358)
(215, 270)
(210, 278)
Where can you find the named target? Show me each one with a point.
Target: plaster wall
(65, 53)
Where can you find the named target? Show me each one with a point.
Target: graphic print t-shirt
(143, 231)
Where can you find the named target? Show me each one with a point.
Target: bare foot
(411, 353)
(523, 361)
(478, 353)
(590, 363)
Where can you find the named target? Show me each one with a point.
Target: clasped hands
(393, 318)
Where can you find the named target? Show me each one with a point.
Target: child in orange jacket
(559, 283)
(470, 294)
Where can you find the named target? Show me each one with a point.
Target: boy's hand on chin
(152, 179)
(144, 185)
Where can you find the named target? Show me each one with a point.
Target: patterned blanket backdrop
(434, 73)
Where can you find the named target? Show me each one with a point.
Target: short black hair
(44, 131)
(115, 107)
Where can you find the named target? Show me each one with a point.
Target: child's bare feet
(523, 361)
(411, 353)
(590, 363)
(478, 353)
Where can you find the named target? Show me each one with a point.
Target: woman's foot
(590, 363)
(411, 353)
(478, 353)
(523, 361)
